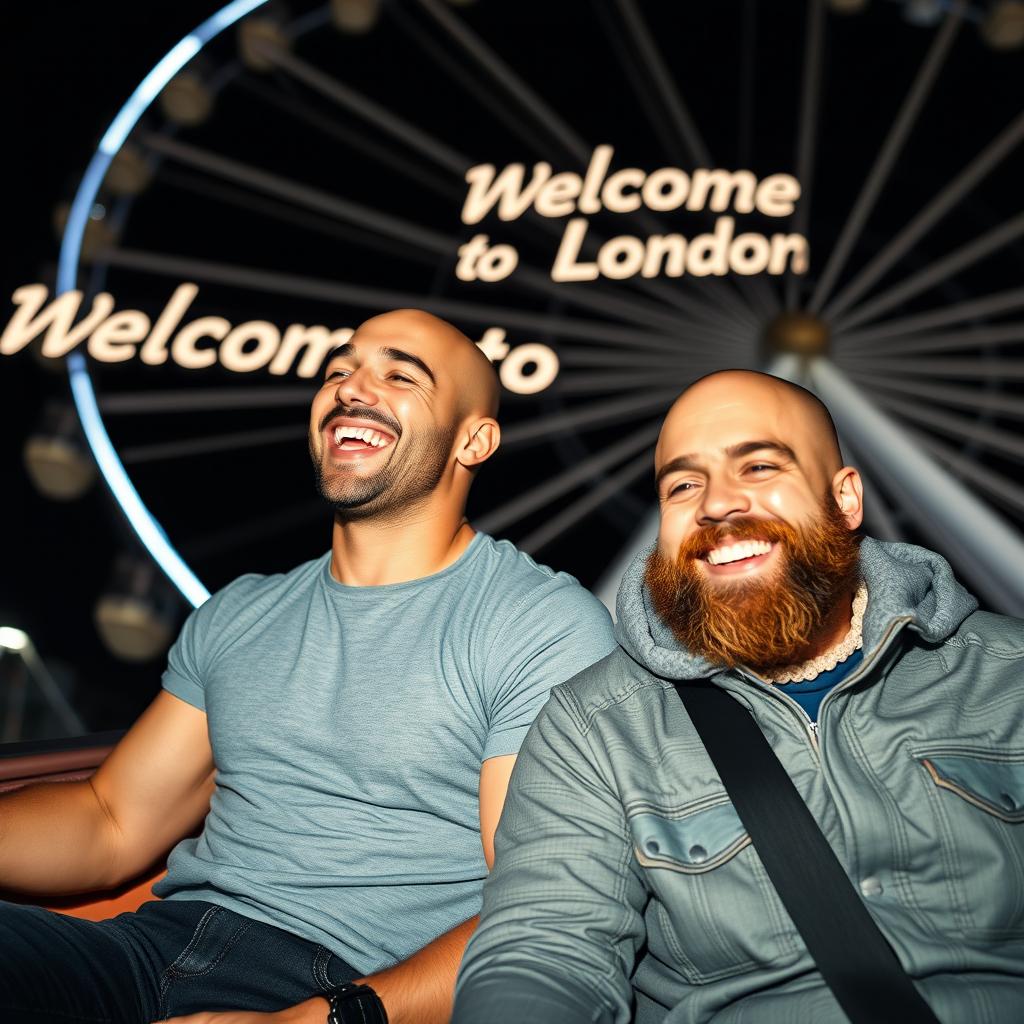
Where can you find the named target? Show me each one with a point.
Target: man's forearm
(56, 838)
(420, 990)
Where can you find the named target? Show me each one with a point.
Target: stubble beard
(767, 622)
(395, 488)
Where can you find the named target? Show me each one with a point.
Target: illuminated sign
(118, 336)
(631, 190)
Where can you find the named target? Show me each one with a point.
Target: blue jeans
(170, 957)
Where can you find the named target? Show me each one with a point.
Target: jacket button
(652, 847)
(871, 886)
(698, 854)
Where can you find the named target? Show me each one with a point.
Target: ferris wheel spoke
(541, 429)
(951, 341)
(253, 529)
(957, 427)
(308, 221)
(371, 298)
(988, 159)
(471, 84)
(304, 195)
(652, 62)
(349, 137)
(764, 300)
(610, 357)
(879, 516)
(210, 445)
(160, 403)
(954, 369)
(989, 550)
(977, 399)
(1004, 492)
(558, 129)
(935, 274)
(805, 147)
(946, 316)
(748, 64)
(369, 110)
(578, 475)
(887, 155)
(615, 383)
(589, 502)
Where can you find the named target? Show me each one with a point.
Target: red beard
(764, 623)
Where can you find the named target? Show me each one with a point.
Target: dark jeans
(171, 957)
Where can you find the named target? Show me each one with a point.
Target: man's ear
(479, 441)
(848, 490)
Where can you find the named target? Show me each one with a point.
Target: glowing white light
(148, 529)
(12, 639)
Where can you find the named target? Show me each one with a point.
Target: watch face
(613, 199)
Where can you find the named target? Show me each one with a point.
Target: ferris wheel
(306, 163)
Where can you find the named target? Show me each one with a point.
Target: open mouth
(738, 555)
(347, 438)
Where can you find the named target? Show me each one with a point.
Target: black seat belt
(854, 958)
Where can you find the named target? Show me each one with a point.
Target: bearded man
(335, 740)
(626, 885)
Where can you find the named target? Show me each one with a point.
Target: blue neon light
(141, 519)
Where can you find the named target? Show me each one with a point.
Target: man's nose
(722, 500)
(357, 388)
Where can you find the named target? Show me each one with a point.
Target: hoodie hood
(903, 581)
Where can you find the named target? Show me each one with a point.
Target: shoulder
(524, 586)
(254, 594)
(1000, 636)
(613, 687)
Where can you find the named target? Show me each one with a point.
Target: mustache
(371, 415)
(707, 538)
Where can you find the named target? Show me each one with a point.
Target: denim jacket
(626, 888)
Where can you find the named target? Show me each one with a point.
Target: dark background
(67, 68)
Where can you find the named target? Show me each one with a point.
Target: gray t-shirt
(348, 726)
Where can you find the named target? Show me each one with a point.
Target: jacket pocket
(713, 910)
(994, 785)
(976, 797)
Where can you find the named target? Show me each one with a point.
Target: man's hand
(312, 1011)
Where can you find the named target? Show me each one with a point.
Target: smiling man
(626, 886)
(336, 740)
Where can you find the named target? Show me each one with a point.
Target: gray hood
(903, 580)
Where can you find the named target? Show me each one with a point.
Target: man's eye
(335, 374)
(686, 485)
(760, 466)
(401, 377)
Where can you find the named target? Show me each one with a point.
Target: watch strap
(354, 1003)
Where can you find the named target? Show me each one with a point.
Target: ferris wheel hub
(797, 333)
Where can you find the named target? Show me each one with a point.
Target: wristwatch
(354, 1004)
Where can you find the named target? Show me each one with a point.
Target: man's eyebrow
(676, 465)
(691, 461)
(348, 351)
(737, 451)
(398, 355)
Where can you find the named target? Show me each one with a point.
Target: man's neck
(368, 553)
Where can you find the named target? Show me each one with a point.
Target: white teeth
(734, 552)
(366, 434)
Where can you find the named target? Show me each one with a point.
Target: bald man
(336, 740)
(626, 887)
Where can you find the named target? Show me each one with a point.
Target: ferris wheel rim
(145, 525)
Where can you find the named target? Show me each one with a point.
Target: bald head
(445, 350)
(742, 406)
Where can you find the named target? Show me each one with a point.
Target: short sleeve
(190, 655)
(554, 632)
(183, 676)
